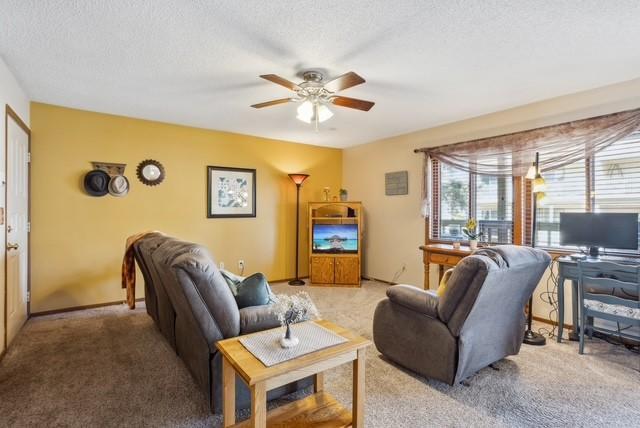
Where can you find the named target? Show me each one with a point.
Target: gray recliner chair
(195, 309)
(477, 321)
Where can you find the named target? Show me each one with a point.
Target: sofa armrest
(424, 302)
(257, 318)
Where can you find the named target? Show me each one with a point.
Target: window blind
(566, 192)
(616, 178)
(607, 182)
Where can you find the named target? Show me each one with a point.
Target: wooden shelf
(317, 410)
(334, 218)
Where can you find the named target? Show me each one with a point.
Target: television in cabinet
(335, 243)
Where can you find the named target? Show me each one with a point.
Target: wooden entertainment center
(339, 268)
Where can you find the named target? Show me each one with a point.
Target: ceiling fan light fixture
(315, 96)
(324, 113)
(305, 111)
(308, 110)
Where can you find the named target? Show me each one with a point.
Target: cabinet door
(347, 270)
(322, 270)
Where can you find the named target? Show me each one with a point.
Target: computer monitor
(595, 230)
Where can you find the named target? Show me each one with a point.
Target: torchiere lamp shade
(298, 178)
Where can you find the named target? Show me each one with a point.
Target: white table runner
(265, 346)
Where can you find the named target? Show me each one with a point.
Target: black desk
(568, 269)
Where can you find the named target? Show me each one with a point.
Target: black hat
(96, 183)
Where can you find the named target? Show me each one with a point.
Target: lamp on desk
(539, 187)
(297, 179)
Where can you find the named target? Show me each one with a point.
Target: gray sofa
(192, 305)
(477, 321)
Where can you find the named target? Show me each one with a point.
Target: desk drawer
(443, 259)
(571, 272)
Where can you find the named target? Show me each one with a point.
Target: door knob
(11, 246)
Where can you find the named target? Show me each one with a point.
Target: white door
(17, 217)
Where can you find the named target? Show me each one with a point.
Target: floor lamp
(539, 186)
(298, 179)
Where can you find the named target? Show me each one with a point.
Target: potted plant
(292, 309)
(471, 231)
(343, 195)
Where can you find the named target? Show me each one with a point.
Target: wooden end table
(442, 255)
(319, 408)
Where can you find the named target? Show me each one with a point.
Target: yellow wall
(78, 240)
(395, 228)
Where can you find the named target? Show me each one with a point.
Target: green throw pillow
(254, 290)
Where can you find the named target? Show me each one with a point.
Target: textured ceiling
(426, 62)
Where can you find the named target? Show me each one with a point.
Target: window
(607, 182)
(494, 208)
(489, 199)
(454, 205)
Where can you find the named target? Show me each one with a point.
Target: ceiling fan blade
(281, 81)
(343, 82)
(352, 103)
(271, 103)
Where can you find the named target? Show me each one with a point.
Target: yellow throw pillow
(443, 282)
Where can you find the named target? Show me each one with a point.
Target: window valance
(558, 145)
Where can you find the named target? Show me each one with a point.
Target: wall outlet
(241, 265)
(221, 264)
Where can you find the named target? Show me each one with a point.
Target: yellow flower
(471, 224)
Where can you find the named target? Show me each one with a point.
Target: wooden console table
(441, 255)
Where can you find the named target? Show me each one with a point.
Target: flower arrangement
(343, 194)
(471, 230)
(291, 309)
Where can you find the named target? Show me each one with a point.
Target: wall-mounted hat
(96, 183)
(118, 186)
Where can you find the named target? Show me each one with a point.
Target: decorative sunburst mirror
(150, 172)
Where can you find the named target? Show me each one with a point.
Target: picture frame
(231, 192)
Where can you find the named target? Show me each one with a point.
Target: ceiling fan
(315, 95)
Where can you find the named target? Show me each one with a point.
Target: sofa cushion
(442, 287)
(607, 308)
(257, 318)
(251, 291)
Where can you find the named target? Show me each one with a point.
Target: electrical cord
(550, 296)
(398, 273)
(618, 340)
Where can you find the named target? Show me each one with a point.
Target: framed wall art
(231, 192)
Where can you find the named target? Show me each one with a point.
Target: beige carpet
(111, 367)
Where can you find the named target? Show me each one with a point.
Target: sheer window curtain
(512, 154)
